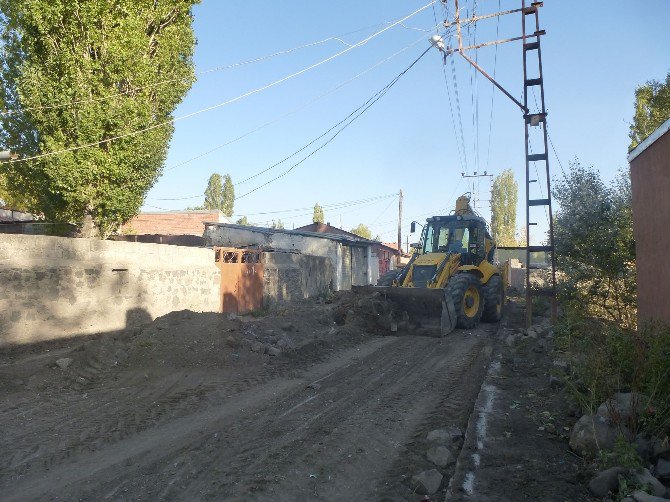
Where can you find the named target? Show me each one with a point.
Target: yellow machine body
(450, 280)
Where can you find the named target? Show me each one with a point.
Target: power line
(297, 109)
(230, 101)
(366, 107)
(493, 89)
(334, 205)
(204, 72)
(451, 107)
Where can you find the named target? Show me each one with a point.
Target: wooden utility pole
(399, 225)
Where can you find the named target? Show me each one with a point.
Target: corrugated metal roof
(268, 231)
(653, 137)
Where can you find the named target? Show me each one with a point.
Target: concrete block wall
(291, 276)
(351, 264)
(55, 287)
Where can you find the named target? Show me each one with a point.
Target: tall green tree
(228, 196)
(243, 221)
(652, 108)
(214, 193)
(362, 231)
(80, 72)
(318, 216)
(504, 196)
(595, 248)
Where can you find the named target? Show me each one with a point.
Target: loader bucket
(425, 311)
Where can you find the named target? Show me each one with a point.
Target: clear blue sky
(595, 54)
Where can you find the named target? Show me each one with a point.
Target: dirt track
(186, 410)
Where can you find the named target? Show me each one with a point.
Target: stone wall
(55, 287)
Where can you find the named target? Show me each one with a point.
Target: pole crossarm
(500, 87)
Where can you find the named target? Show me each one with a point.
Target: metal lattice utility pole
(399, 226)
(532, 54)
(535, 119)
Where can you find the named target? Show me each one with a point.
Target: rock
(530, 332)
(555, 382)
(561, 364)
(446, 436)
(640, 496)
(606, 481)
(512, 339)
(288, 326)
(285, 343)
(591, 434)
(233, 342)
(273, 351)
(623, 406)
(257, 347)
(121, 356)
(427, 482)
(644, 446)
(662, 449)
(232, 316)
(645, 478)
(663, 468)
(63, 362)
(440, 456)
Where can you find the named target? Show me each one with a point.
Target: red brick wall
(650, 179)
(170, 223)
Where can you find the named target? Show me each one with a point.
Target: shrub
(606, 359)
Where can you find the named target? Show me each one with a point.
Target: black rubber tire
(494, 299)
(387, 278)
(458, 285)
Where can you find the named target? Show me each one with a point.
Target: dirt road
(198, 407)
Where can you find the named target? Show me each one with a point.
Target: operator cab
(463, 234)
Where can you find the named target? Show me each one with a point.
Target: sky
(435, 123)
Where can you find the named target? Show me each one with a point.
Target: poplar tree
(504, 196)
(228, 196)
(214, 193)
(79, 72)
(318, 214)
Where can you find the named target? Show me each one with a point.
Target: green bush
(606, 359)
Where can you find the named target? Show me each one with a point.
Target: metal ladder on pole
(539, 161)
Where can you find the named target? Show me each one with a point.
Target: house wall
(55, 287)
(346, 270)
(650, 179)
(177, 223)
(291, 276)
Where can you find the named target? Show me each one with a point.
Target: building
(189, 222)
(350, 259)
(386, 253)
(650, 182)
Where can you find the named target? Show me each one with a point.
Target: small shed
(351, 258)
(650, 183)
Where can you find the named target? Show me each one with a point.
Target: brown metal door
(241, 279)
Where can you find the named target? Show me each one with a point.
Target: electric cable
(367, 106)
(493, 89)
(230, 101)
(205, 72)
(294, 110)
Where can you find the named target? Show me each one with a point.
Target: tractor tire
(466, 294)
(494, 299)
(387, 278)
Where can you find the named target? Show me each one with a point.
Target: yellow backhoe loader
(450, 281)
